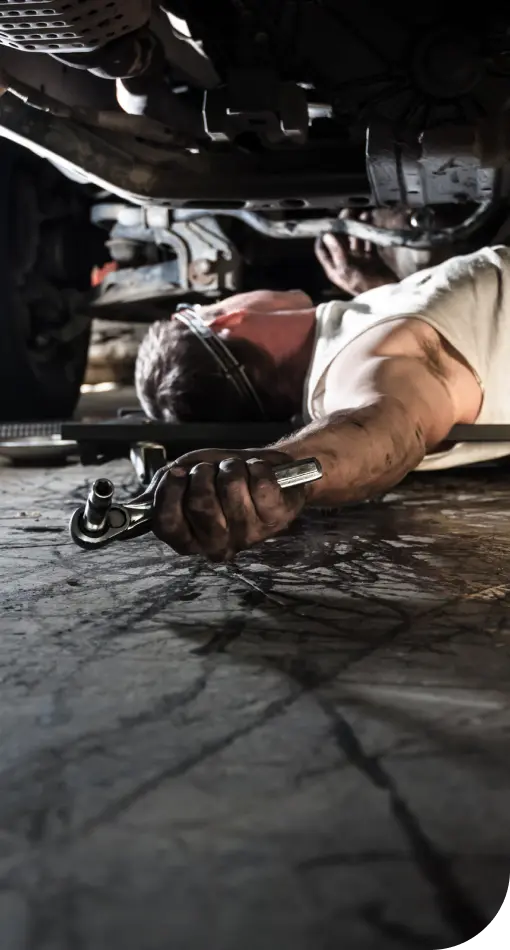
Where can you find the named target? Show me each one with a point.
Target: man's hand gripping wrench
(101, 520)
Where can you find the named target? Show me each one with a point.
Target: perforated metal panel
(68, 25)
(28, 430)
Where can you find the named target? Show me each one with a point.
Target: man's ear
(226, 321)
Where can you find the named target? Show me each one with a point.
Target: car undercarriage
(273, 106)
(218, 139)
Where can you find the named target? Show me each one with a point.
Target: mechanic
(380, 381)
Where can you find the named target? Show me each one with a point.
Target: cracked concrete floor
(306, 750)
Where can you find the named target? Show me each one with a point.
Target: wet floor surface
(305, 751)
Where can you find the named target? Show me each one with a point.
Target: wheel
(47, 250)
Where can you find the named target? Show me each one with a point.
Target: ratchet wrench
(101, 520)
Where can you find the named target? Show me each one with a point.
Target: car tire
(47, 250)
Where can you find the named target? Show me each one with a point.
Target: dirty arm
(388, 410)
(390, 399)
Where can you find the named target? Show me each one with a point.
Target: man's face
(268, 318)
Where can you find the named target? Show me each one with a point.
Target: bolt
(422, 218)
(202, 266)
(202, 271)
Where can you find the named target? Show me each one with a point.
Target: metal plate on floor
(32, 448)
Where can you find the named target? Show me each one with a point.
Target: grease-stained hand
(351, 264)
(218, 502)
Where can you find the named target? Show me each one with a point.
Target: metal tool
(101, 521)
(147, 458)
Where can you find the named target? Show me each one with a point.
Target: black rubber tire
(48, 386)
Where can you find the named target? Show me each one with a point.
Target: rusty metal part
(206, 259)
(173, 176)
(100, 119)
(201, 273)
(421, 235)
(281, 229)
(141, 294)
(416, 237)
(437, 166)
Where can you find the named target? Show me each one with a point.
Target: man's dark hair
(177, 379)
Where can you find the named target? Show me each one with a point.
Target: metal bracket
(207, 261)
(147, 458)
(256, 101)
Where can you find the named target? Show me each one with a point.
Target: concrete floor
(306, 751)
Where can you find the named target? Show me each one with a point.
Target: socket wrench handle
(297, 473)
(101, 521)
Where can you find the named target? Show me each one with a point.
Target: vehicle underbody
(266, 105)
(218, 139)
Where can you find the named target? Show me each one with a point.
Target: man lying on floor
(380, 381)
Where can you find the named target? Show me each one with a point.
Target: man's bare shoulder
(413, 347)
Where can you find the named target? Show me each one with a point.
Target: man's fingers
(252, 501)
(187, 514)
(169, 523)
(326, 263)
(352, 245)
(337, 247)
(220, 507)
(355, 246)
(334, 256)
(369, 248)
(237, 503)
(204, 513)
(269, 501)
(322, 255)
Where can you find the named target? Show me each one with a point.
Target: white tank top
(467, 299)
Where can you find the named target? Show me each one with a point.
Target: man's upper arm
(409, 361)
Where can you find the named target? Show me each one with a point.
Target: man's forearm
(362, 451)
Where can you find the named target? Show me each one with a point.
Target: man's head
(269, 333)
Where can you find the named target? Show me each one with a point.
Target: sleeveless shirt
(467, 300)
